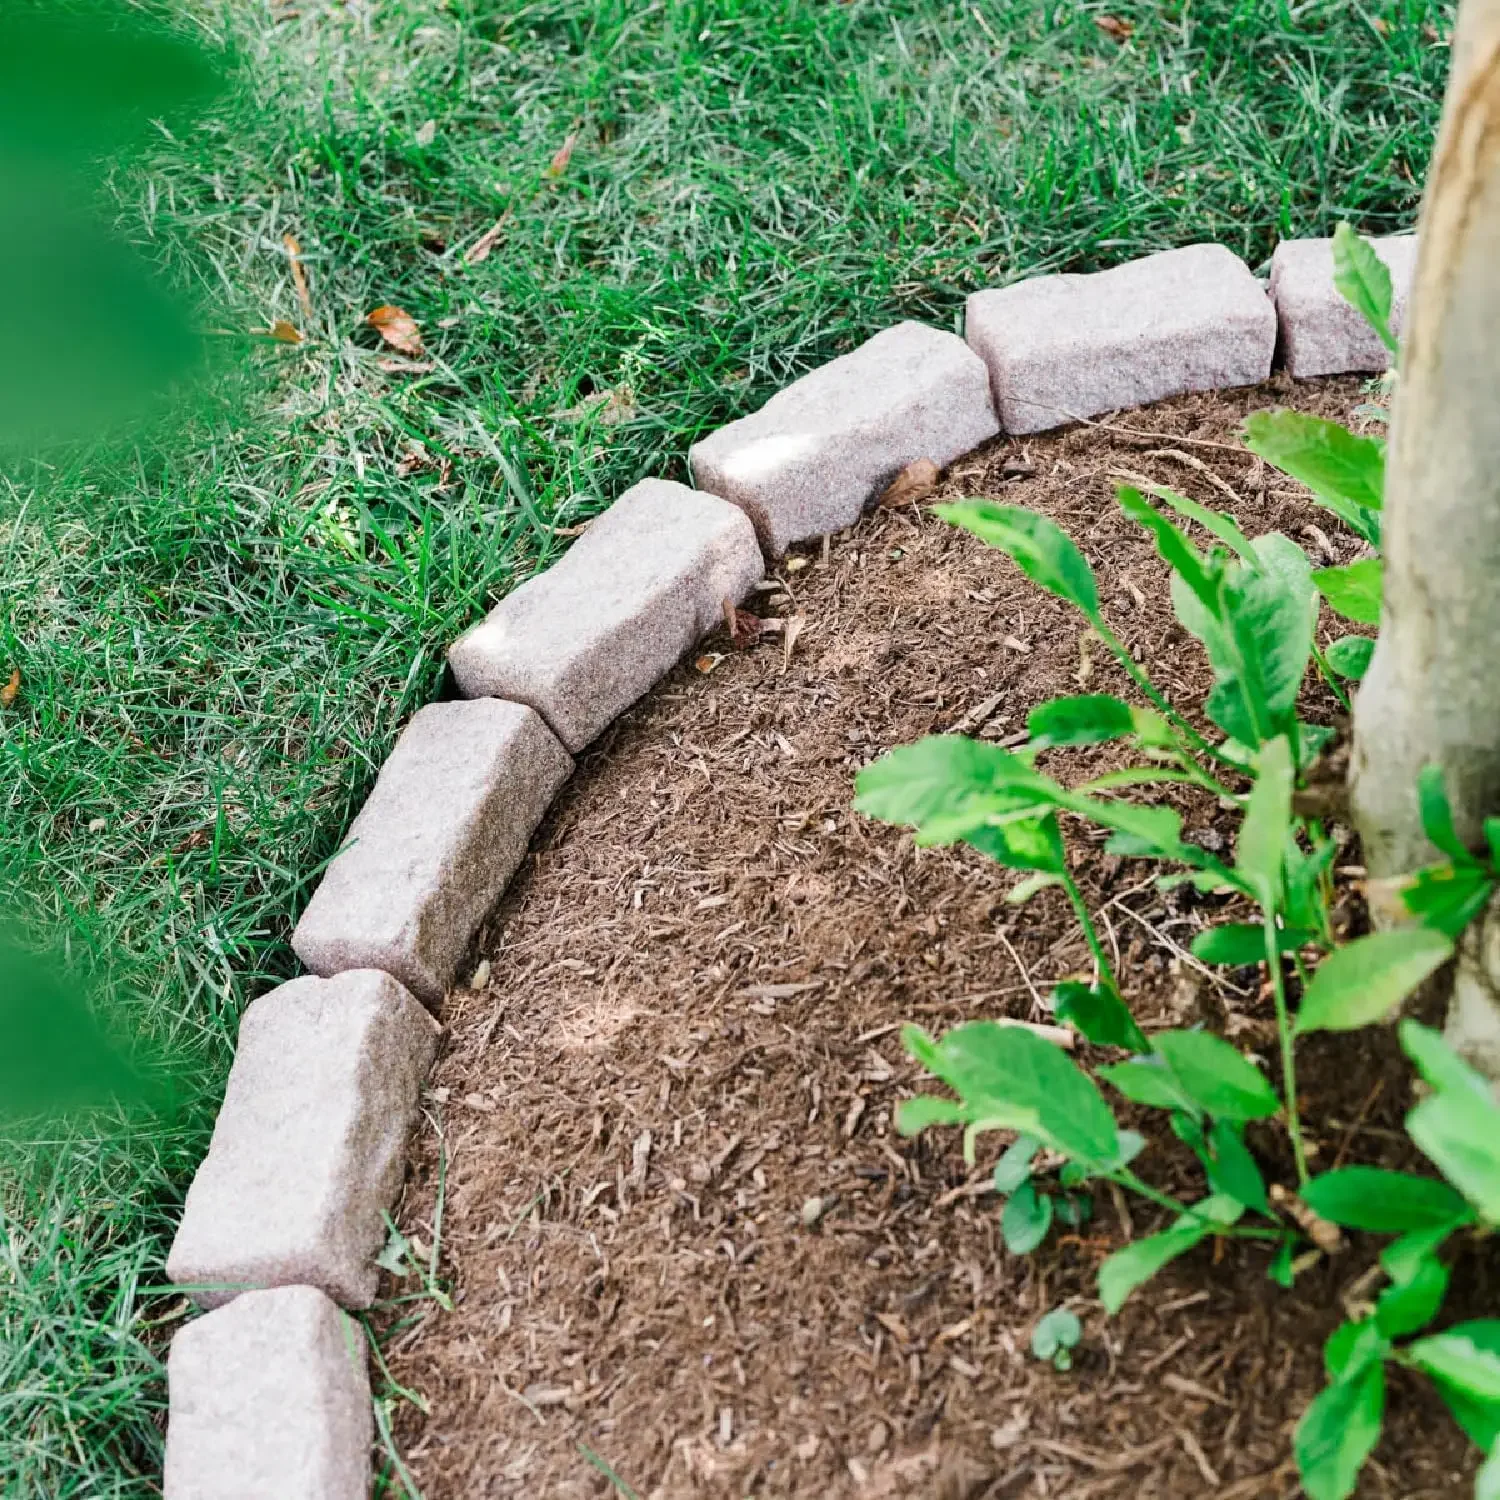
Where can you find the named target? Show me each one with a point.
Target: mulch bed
(685, 1239)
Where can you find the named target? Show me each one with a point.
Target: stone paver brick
(1064, 347)
(582, 641)
(1321, 334)
(307, 1150)
(808, 461)
(444, 829)
(269, 1399)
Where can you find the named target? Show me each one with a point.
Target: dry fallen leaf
(708, 662)
(299, 277)
(12, 688)
(1114, 27)
(406, 366)
(398, 328)
(480, 249)
(915, 482)
(284, 333)
(791, 629)
(564, 154)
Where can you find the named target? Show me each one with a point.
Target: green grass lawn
(220, 635)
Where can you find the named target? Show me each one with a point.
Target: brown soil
(689, 1033)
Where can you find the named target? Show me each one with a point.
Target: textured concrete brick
(1321, 334)
(307, 1149)
(1063, 347)
(444, 829)
(808, 461)
(269, 1400)
(582, 641)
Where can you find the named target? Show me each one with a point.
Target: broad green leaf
(1381, 1201)
(1239, 944)
(1440, 1066)
(1270, 622)
(1059, 1329)
(1460, 1135)
(1363, 280)
(914, 1115)
(1215, 522)
(1337, 1433)
(1215, 1076)
(1125, 1270)
(1232, 1170)
(1437, 814)
(1464, 1357)
(1149, 1081)
(1176, 550)
(1042, 550)
(1304, 872)
(1346, 473)
(1448, 897)
(1026, 1219)
(1283, 1270)
(1268, 819)
(1099, 1013)
(1362, 982)
(1406, 1306)
(1401, 1258)
(1478, 1417)
(1014, 1166)
(1089, 719)
(1487, 1480)
(941, 774)
(1350, 655)
(1032, 843)
(1353, 1347)
(1008, 1077)
(1354, 591)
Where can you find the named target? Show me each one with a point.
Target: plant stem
(1127, 1179)
(1080, 908)
(1144, 683)
(1284, 1038)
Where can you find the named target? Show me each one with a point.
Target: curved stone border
(269, 1394)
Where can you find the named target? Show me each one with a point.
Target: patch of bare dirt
(685, 1240)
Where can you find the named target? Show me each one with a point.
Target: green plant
(1252, 604)
(1055, 1337)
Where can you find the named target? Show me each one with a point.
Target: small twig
(1355, 1123)
(1151, 437)
(1036, 999)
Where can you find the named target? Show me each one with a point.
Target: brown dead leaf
(12, 688)
(743, 627)
(791, 629)
(563, 155)
(299, 277)
(1113, 26)
(199, 838)
(480, 250)
(707, 662)
(915, 482)
(398, 328)
(284, 333)
(406, 366)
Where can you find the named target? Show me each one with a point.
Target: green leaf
(939, 775)
(1212, 521)
(1412, 1303)
(1448, 897)
(1009, 1078)
(1268, 820)
(1346, 473)
(1380, 1201)
(1458, 1125)
(1098, 1012)
(1125, 1270)
(1176, 550)
(1363, 280)
(1337, 1433)
(1149, 1081)
(1232, 1170)
(1437, 814)
(1365, 980)
(1350, 655)
(1305, 899)
(1353, 1347)
(1215, 1076)
(1021, 844)
(1354, 591)
(1478, 1417)
(1014, 1166)
(915, 1115)
(1089, 719)
(1239, 944)
(1283, 1270)
(1042, 550)
(1026, 1219)
(1464, 1357)
(1059, 1329)
(1022, 892)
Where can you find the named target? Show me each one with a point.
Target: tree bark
(1432, 695)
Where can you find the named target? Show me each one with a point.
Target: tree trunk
(1432, 695)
